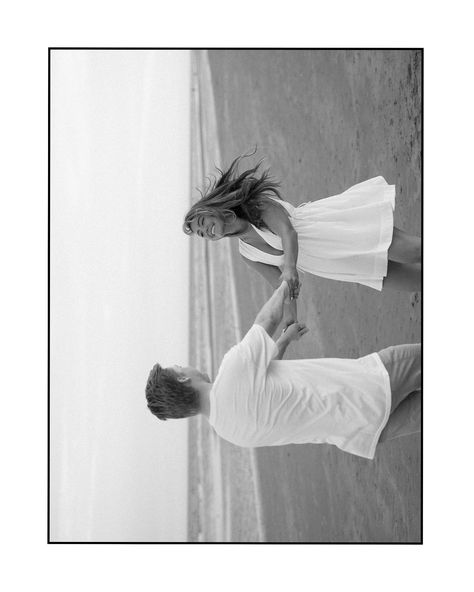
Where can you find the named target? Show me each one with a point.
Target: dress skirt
(344, 237)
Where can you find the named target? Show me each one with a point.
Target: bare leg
(404, 277)
(405, 248)
(405, 420)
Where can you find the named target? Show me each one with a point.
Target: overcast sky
(119, 291)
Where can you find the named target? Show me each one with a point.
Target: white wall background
(119, 291)
(23, 300)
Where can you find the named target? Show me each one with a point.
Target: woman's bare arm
(273, 276)
(277, 220)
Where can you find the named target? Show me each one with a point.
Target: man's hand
(295, 331)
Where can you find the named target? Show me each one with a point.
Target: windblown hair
(234, 193)
(168, 398)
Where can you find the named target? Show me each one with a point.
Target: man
(258, 399)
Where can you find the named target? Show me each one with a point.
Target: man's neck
(204, 399)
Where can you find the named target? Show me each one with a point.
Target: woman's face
(208, 226)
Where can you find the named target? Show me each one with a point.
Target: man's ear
(184, 379)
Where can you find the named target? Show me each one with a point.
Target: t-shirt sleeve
(257, 346)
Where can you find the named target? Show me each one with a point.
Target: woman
(348, 237)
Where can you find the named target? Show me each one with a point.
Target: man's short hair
(167, 397)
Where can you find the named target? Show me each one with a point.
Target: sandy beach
(324, 120)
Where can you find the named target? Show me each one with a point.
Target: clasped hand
(290, 276)
(295, 331)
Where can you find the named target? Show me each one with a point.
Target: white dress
(344, 237)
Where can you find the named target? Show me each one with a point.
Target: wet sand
(326, 120)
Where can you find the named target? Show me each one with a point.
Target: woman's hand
(295, 331)
(290, 276)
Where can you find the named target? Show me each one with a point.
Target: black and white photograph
(235, 295)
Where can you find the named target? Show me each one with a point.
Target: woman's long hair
(234, 193)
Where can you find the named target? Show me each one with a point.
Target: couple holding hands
(258, 399)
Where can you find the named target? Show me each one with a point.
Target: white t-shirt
(259, 401)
